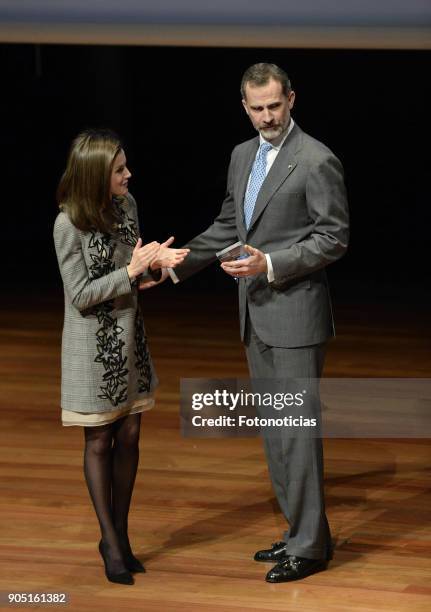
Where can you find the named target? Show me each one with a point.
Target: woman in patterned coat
(108, 377)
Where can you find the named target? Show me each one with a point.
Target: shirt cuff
(270, 270)
(174, 277)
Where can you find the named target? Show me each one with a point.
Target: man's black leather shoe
(295, 568)
(277, 552)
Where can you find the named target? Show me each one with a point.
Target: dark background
(179, 113)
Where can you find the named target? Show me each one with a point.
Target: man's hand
(167, 257)
(249, 266)
(153, 283)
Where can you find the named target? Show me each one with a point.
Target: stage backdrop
(252, 23)
(179, 111)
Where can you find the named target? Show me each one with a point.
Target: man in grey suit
(286, 198)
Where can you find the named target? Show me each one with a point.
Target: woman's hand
(168, 258)
(142, 257)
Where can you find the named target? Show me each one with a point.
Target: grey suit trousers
(295, 463)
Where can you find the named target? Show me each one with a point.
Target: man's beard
(270, 133)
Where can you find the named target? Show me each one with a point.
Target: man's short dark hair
(260, 74)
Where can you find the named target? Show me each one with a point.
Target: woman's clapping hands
(142, 257)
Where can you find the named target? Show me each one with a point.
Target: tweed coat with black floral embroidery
(106, 363)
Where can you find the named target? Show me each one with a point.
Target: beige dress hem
(95, 419)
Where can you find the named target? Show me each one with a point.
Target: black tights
(110, 463)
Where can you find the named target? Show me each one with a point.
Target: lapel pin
(289, 166)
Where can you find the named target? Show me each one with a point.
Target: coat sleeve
(327, 207)
(220, 234)
(82, 291)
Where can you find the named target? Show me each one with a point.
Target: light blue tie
(257, 176)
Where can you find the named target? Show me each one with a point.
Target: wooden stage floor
(202, 507)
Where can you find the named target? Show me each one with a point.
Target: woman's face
(120, 175)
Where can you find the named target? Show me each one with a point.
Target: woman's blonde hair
(84, 191)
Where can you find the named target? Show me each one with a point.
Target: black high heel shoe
(133, 564)
(120, 578)
(130, 561)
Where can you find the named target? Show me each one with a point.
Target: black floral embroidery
(109, 344)
(108, 337)
(142, 355)
(110, 354)
(126, 226)
(103, 244)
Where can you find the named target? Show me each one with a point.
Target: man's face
(268, 108)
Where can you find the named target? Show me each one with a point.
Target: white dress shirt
(270, 159)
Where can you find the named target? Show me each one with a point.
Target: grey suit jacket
(301, 220)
